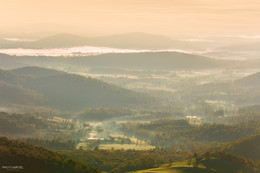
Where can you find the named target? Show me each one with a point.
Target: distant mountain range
(64, 91)
(136, 40)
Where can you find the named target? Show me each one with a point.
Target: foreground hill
(23, 157)
(216, 162)
(66, 91)
(248, 148)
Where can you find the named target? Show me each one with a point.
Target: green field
(205, 166)
(125, 147)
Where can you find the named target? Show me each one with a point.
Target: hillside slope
(216, 162)
(23, 157)
(72, 92)
(247, 147)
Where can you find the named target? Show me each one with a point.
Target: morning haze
(120, 86)
(166, 17)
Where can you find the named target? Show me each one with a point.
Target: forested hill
(247, 147)
(64, 91)
(214, 162)
(31, 159)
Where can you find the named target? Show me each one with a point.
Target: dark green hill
(11, 92)
(23, 157)
(15, 94)
(248, 148)
(69, 91)
(215, 162)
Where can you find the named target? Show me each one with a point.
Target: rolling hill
(148, 60)
(72, 92)
(248, 148)
(23, 157)
(218, 162)
(151, 60)
(206, 166)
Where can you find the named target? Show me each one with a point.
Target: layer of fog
(83, 51)
(90, 50)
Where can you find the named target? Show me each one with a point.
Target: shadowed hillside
(215, 162)
(247, 147)
(67, 91)
(31, 159)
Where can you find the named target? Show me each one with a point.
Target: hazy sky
(167, 17)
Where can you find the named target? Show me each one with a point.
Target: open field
(126, 146)
(205, 165)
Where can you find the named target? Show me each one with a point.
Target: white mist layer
(75, 51)
(90, 50)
